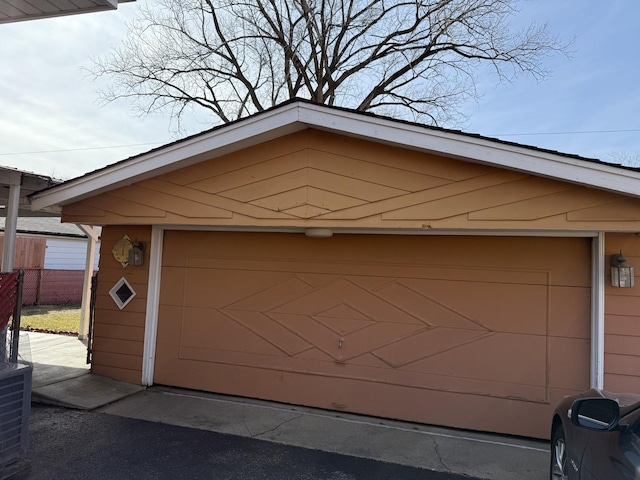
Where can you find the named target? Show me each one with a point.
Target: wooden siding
(315, 178)
(118, 335)
(29, 253)
(68, 254)
(622, 320)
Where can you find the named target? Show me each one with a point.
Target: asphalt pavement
(80, 444)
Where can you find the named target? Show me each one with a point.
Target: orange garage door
(482, 333)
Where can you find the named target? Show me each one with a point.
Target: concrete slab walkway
(54, 357)
(61, 373)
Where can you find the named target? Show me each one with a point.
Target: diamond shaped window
(122, 293)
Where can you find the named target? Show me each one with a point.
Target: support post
(597, 312)
(17, 315)
(92, 238)
(153, 303)
(9, 244)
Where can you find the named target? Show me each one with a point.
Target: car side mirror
(600, 414)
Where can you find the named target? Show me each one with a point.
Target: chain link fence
(52, 287)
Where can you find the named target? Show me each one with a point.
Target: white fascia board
(214, 144)
(296, 116)
(479, 150)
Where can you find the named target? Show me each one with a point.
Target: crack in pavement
(277, 426)
(439, 456)
(246, 427)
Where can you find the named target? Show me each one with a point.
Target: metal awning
(28, 183)
(21, 10)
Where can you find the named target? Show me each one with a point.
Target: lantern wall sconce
(621, 273)
(136, 254)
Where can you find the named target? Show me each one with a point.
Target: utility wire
(565, 133)
(585, 132)
(83, 149)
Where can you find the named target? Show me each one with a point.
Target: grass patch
(51, 318)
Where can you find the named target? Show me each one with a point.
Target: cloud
(47, 102)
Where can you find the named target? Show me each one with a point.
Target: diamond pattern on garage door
(444, 334)
(345, 321)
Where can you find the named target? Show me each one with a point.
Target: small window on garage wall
(122, 293)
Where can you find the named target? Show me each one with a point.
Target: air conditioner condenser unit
(15, 410)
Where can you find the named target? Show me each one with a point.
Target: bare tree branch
(408, 58)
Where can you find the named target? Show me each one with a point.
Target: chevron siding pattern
(323, 179)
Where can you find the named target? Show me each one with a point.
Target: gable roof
(50, 226)
(296, 115)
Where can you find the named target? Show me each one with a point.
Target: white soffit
(21, 10)
(297, 116)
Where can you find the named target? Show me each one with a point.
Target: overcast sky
(52, 124)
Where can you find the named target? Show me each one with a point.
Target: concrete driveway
(70, 444)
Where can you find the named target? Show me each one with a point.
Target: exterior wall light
(318, 232)
(136, 254)
(621, 273)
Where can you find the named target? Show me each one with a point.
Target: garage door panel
(412, 296)
(430, 342)
(313, 333)
(171, 319)
(370, 272)
(167, 369)
(218, 288)
(314, 354)
(273, 291)
(571, 307)
(501, 388)
(521, 311)
(351, 322)
(384, 325)
(212, 330)
(342, 348)
(504, 357)
(343, 319)
(205, 363)
(565, 354)
(172, 286)
(372, 338)
(265, 327)
(344, 293)
(369, 360)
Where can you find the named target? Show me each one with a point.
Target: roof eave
(24, 11)
(236, 136)
(296, 116)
